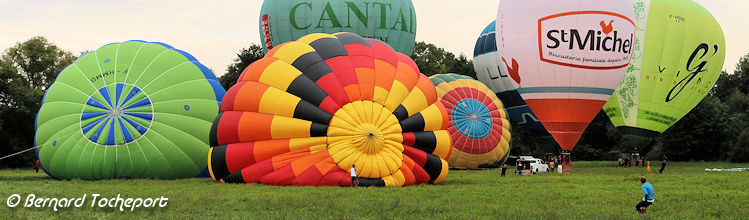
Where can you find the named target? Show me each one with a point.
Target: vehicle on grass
(534, 164)
(524, 167)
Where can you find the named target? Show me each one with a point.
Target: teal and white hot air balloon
(392, 21)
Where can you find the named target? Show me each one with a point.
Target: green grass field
(596, 190)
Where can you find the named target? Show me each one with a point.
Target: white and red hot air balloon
(566, 57)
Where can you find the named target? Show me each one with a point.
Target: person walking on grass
(36, 166)
(648, 197)
(663, 166)
(354, 177)
(504, 169)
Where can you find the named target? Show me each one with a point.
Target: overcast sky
(214, 31)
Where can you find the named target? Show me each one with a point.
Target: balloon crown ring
(116, 114)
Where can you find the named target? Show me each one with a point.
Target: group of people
(633, 160)
(553, 162)
(519, 168)
(555, 159)
(625, 162)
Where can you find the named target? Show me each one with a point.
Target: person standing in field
(36, 166)
(354, 177)
(663, 166)
(648, 197)
(552, 166)
(504, 169)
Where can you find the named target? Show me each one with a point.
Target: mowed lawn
(596, 190)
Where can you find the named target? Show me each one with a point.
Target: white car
(526, 158)
(537, 165)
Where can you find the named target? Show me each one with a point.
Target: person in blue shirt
(648, 197)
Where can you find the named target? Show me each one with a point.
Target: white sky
(214, 31)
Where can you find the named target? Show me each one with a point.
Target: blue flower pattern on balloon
(472, 119)
(117, 120)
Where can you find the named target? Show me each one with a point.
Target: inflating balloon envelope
(479, 124)
(128, 110)
(391, 21)
(678, 56)
(312, 108)
(489, 70)
(565, 57)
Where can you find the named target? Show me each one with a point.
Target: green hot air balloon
(133, 109)
(678, 56)
(392, 21)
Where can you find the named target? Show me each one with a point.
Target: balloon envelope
(565, 57)
(132, 109)
(311, 109)
(478, 125)
(487, 63)
(392, 21)
(678, 56)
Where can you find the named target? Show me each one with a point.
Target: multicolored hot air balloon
(134, 109)
(312, 108)
(678, 56)
(391, 21)
(487, 63)
(565, 57)
(478, 122)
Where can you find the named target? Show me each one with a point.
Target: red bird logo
(607, 28)
(514, 70)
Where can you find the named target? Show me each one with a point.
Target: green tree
(521, 141)
(600, 141)
(700, 135)
(26, 71)
(738, 80)
(244, 58)
(434, 60)
(733, 91)
(737, 126)
(740, 150)
(742, 74)
(725, 85)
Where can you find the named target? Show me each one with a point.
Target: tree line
(717, 129)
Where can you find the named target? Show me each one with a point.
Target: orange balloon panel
(312, 109)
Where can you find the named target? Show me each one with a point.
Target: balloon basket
(566, 165)
(565, 168)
